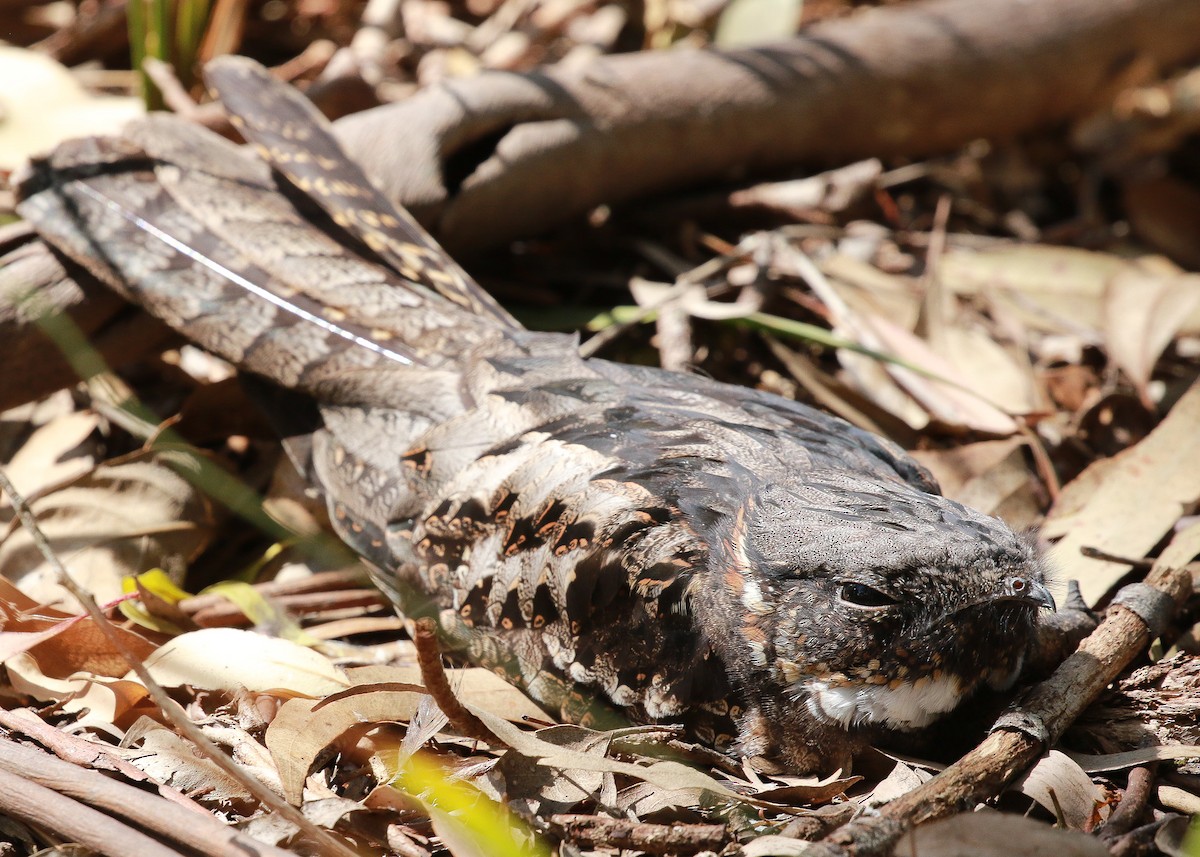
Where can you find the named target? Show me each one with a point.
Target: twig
(173, 93)
(171, 709)
(1021, 736)
(191, 827)
(88, 754)
(1133, 803)
(602, 831)
(433, 676)
(42, 807)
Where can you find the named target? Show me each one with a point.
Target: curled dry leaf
(61, 643)
(964, 401)
(543, 790)
(302, 729)
(55, 453)
(1124, 505)
(1053, 289)
(115, 521)
(473, 685)
(1063, 789)
(109, 705)
(1143, 312)
(664, 775)
(1094, 764)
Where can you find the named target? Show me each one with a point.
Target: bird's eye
(865, 596)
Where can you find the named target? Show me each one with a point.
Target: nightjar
(602, 534)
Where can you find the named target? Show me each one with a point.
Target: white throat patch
(911, 705)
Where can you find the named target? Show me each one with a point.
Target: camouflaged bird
(686, 550)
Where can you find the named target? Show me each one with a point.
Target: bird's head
(873, 603)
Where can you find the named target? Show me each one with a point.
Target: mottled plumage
(681, 549)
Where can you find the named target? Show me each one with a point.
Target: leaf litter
(1052, 385)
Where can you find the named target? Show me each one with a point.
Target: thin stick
(433, 676)
(174, 712)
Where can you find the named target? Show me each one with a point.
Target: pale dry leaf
(43, 105)
(303, 728)
(958, 403)
(958, 467)
(1124, 505)
(902, 779)
(174, 761)
(545, 790)
(115, 521)
(1049, 288)
(642, 799)
(747, 22)
(231, 659)
(866, 289)
(991, 476)
(778, 846)
(1063, 789)
(1144, 310)
(54, 454)
(989, 368)
(473, 685)
(100, 702)
(994, 834)
(1183, 548)
(1180, 800)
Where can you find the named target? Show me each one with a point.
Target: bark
(489, 159)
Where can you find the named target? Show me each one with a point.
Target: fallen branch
(190, 829)
(45, 808)
(488, 159)
(603, 832)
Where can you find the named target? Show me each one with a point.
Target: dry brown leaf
(991, 476)
(989, 368)
(61, 643)
(1124, 505)
(777, 846)
(902, 779)
(1094, 764)
(994, 834)
(303, 728)
(1063, 789)
(116, 521)
(545, 790)
(1165, 213)
(1143, 312)
(473, 685)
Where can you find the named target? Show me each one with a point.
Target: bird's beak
(1022, 588)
